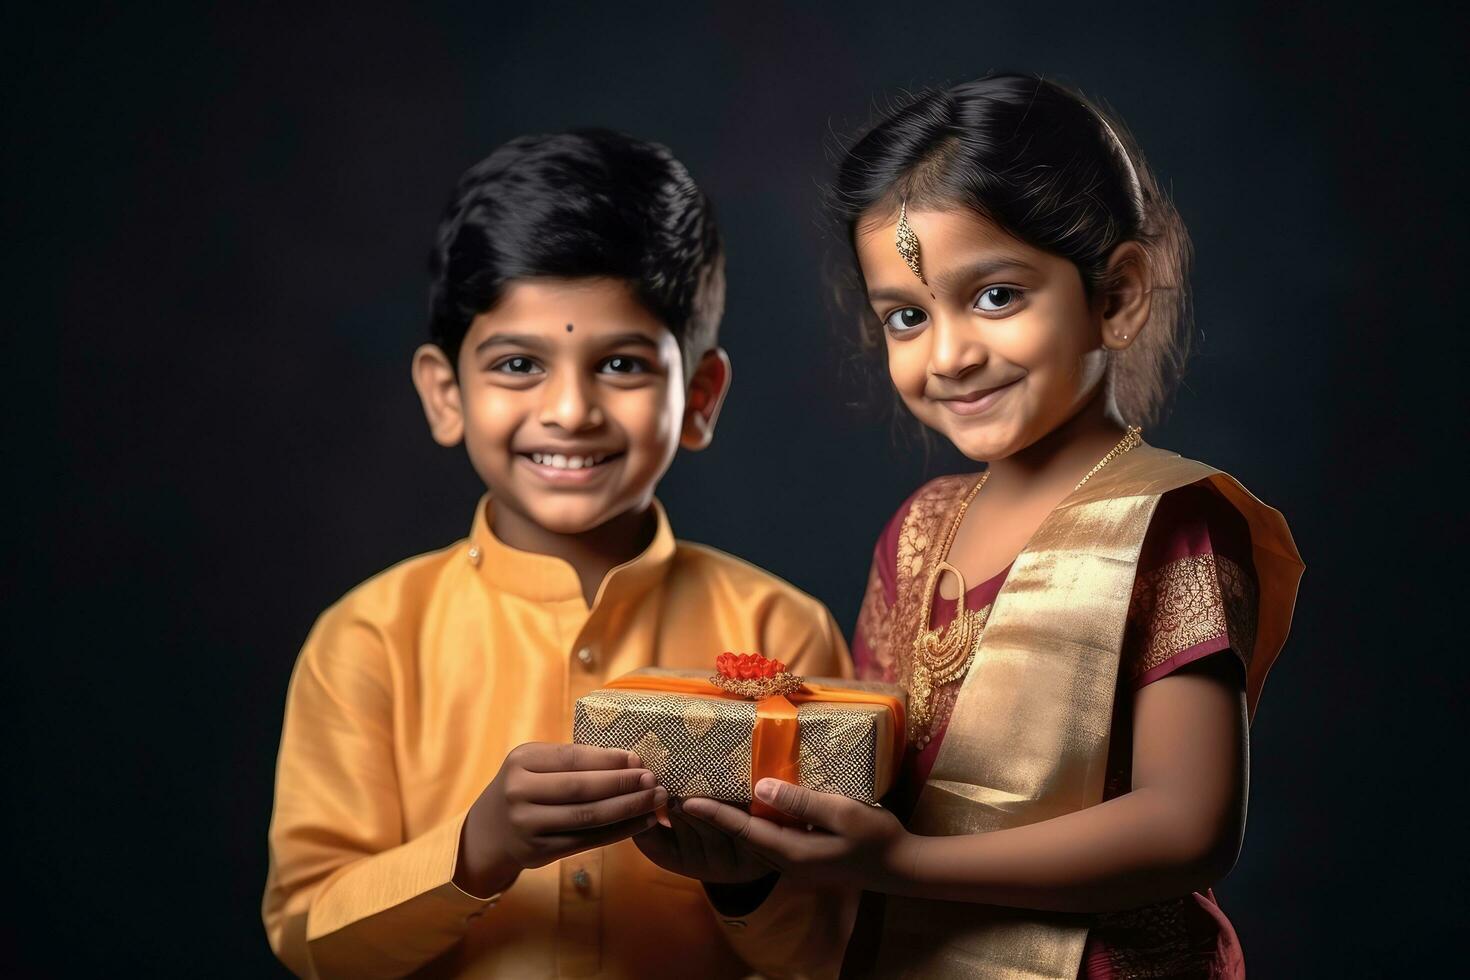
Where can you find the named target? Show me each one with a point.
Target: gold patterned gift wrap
(828, 734)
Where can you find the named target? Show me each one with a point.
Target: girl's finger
(658, 845)
(727, 849)
(556, 788)
(691, 847)
(826, 810)
(549, 819)
(762, 836)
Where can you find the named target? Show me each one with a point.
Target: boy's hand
(695, 849)
(550, 801)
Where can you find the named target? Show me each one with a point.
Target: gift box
(716, 736)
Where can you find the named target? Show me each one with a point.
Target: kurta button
(581, 879)
(585, 655)
(475, 555)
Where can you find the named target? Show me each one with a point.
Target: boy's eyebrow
(621, 339)
(540, 343)
(509, 340)
(952, 277)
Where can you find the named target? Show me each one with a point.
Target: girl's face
(1000, 348)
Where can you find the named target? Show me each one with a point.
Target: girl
(1084, 626)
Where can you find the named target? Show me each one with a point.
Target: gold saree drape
(1028, 736)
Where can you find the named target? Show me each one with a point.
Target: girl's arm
(1178, 830)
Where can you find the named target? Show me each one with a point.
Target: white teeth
(558, 461)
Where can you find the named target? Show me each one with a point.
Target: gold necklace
(1131, 438)
(943, 655)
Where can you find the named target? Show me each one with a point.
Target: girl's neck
(592, 553)
(1056, 462)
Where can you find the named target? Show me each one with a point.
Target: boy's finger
(583, 787)
(564, 844)
(546, 757)
(571, 817)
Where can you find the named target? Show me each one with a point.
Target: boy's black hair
(587, 203)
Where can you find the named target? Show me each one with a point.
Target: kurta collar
(543, 578)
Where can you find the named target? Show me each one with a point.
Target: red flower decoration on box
(753, 676)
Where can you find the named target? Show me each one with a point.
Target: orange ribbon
(775, 744)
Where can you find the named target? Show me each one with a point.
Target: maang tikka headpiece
(908, 242)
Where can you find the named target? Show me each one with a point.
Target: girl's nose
(570, 404)
(957, 347)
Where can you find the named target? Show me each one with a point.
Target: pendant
(921, 700)
(940, 656)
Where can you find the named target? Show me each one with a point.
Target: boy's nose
(569, 405)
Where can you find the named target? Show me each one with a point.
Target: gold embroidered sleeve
(875, 630)
(1196, 604)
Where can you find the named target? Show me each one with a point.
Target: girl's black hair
(1050, 168)
(587, 203)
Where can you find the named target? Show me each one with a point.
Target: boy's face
(1001, 347)
(571, 401)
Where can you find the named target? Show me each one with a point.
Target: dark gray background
(218, 221)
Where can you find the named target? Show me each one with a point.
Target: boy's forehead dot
(569, 328)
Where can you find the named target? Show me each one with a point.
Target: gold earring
(907, 242)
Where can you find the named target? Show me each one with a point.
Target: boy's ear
(438, 389)
(1129, 297)
(707, 389)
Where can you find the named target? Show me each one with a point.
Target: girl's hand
(695, 849)
(851, 844)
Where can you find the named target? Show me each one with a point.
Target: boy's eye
(517, 365)
(995, 299)
(622, 364)
(906, 319)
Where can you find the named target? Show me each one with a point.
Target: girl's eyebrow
(890, 294)
(983, 269)
(946, 281)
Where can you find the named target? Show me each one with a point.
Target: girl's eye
(517, 365)
(906, 319)
(995, 299)
(622, 364)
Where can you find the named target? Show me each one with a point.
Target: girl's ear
(438, 389)
(1129, 297)
(707, 389)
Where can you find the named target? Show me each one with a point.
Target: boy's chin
(571, 517)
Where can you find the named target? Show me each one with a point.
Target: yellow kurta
(405, 700)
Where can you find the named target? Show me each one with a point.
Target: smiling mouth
(975, 402)
(570, 462)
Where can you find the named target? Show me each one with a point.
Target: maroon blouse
(1194, 596)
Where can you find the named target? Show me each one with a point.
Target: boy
(427, 812)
